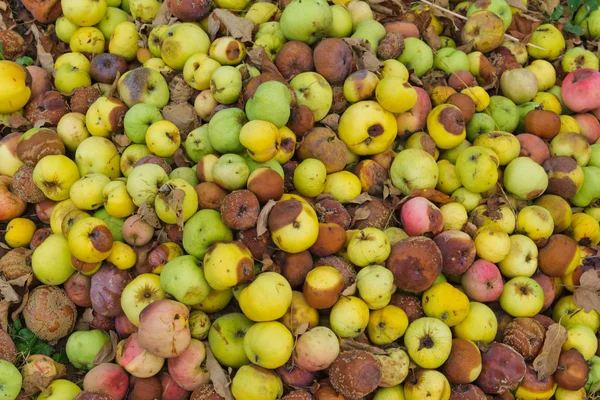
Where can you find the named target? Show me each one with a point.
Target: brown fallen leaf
(43, 57)
(183, 115)
(258, 57)
(363, 55)
(432, 195)
(351, 344)
(4, 306)
(164, 16)
(361, 214)
(522, 26)
(363, 197)
(83, 323)
(108, 351)
(121, 141)
(219, 378)
(546, 362)
(7, 293)
(263, 218)
(493, 208)
(432, 38)
(300, 329)
(544, 6)
(237, 27)
(518, 4)
(332, 121)
(146, 213)
(587, 295)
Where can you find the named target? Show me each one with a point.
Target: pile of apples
(246, 200)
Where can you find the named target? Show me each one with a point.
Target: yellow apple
(267, 298)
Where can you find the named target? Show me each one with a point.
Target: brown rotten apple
(415, 262)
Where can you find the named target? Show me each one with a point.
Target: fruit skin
(503, 369)
(525, 179)
(427, 383)
(197, 238)
(164, 328)
(550, 39)
(445, 302)
(61, 389)
(464, 363)
(575, 90)
(476, 168)
(367, 128)
(582, 338)
(271, 286)
(414, 169)
(446, 125)
(429, 342)
(316, 19)
(16, 92)
(256, 383)
(479, 325)
(83, 346)
(238, 260)
(417, 55)
(355, 374)
(192, 287)
(268, 344)
(386, 325)
(572, 372)
(293, 225)
(51, 261)
(522, 297)
(349, 317)
(55, 185)
(375, 285)
(180, 42)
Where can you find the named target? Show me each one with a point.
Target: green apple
(224, 130)
(480, 123)
(74, 59)
(498, 7)
(268, 344)
(65, 29)
(270, 43)
(525, 179)
(155, 37)
(479, 325)
(595, 155)
(549, 42)
(144, 181)
(522, 297)
(226, 339)
(371, 31)
(452, 154)
(113, 17)
(231, 172)
(163, 203)
(115, 225)
(270, 102)
(183, 278)
(84, 12)
(428, 341)
(54, 175)
(545, 73)
(522, 260)
(523, 109)
(272, 28)
(131, 155)
(417, 55)
(202, 230)
(375, 285)
(139, 293)
(98, 155)
(477, 169)
(593, 381)
(309, 177)
(272, 163)
(138, 119)
(143, 85)
(519, 85)
(83, 347)
(145, 10)
(72, 130)
(369, 246)
(226, 84)
(197, 143)
(60, 389)
(198, 70)
(583, 339)
(68, 78)
(414, 169)
(88, 192)
(341, 22)
(451, 60)
(227, 50)
(306, 20)
(313, 91)
(504, 112)
(590, 190)
(254, 382)
(10, 381)
(427, 384)
(349, 317)
(187, 174)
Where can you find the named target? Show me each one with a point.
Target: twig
(457, 15)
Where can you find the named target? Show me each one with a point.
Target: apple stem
(457, 15)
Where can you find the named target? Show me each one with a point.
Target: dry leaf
(4, 306)
(213, 27)
(108, 351)
(363, 197)
(522, 26)
(263, 218)
(363, 56)
(518, 4)
(432, 195)
(493, 208)
(361, 214)
(146, 213)
(17, 121)
(300, 329)
(269, 265)
(43, 57)
(238, 27)
(332, 121)
(546, 362)
(183, 115)
(587, 295)
(432, 38)
(7, 293)
(83, 323)
(174, 200)
(23, 280)
(259, 58)
(121, 141)
(351, 344)
(164, 16)
(218, 377)
(544, 6)
(179, 89)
